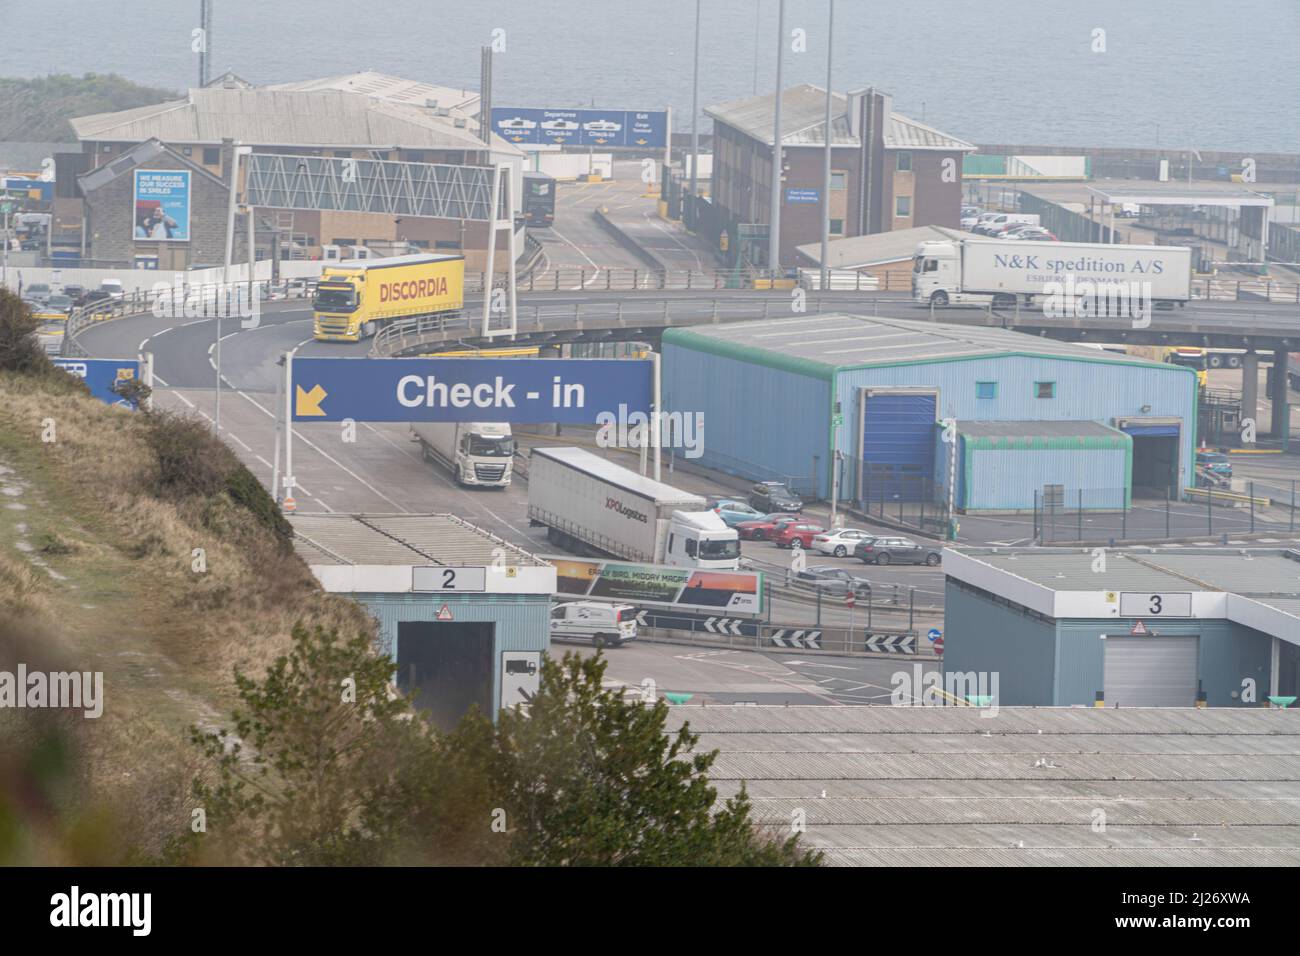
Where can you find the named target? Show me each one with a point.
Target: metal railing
(1108, 515)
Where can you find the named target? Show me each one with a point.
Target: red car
(760, 529)
(797, 534)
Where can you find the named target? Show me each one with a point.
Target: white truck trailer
(589, 503)
(479, 454)
(980, 271)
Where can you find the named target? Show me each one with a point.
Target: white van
(113, 287)
(604, 625)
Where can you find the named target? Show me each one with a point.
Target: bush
(21, 352)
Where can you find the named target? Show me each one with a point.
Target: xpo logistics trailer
(978, 271)
(586, 502)
(355, 300)
(476, 453)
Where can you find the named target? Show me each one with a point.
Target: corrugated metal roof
(878, 248)
(839, 341)
(392, 88)
(1268, 574)
(275, 117)
(945, 786)
(401, 539)
(803, 121)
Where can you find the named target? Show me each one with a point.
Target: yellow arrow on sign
(308, 403)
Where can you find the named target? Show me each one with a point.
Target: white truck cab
(593, 622)
(701, 539)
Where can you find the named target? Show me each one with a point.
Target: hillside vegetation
(38, 110)
(246, 715)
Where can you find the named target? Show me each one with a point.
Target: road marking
(182, 398)
(566, 239)
(324, 454)
(240, 440)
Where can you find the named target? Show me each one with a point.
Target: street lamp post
(695, 124)
(826, 178)
(774, 232)
(236, 151)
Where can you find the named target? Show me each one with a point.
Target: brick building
(887, 171)
(358, 117)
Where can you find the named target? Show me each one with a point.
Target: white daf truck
(479, 454)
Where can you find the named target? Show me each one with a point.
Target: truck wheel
(460, 480)
(424, 452)
(367, 329)
(939, 299)
(1214, 361)
(1234, 361)
(598, 641)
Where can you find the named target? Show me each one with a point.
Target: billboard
(685, 589)
(637, 129)
(569, 391)
(162, 205)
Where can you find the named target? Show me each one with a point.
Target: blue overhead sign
(568, 391)
(793, 195)
(102, 376)
(646, 129)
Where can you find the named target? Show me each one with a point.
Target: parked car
(603, 625)
(797, 534)
(760, 529)
(827, 577)
(733, 512)
(1214, 462)
(1032, 234)
(75, 292)
(839, 541)
(887, 550)
(114, 287)
(774, 496)
(38, 292)
(981, 219)
(50, 336)
(58, 304)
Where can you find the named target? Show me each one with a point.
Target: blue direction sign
(590, 127)
(568, 391)
(934, 634)
(102, 376)
(795, 196)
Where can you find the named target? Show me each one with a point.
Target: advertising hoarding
(686, 589)
(161, 205)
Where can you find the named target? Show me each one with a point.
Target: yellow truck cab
(356, 300)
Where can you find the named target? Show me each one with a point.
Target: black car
(833, 580)
(886, 550)
(769, 496)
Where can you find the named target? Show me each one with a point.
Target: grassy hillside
(38, 110)
(98, 535)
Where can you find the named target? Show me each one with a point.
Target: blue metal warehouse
(1130, 628)
(1026, 414)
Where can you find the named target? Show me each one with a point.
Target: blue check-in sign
(103, 376)
(517, 391)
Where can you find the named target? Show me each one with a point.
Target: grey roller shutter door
(1151, 671)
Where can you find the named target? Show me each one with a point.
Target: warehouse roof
(855, 252)
(400, 539)
(1257, 588)
(282, 117)
(938, 786)
(818, 344)
(392, 88)
(803, 122)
